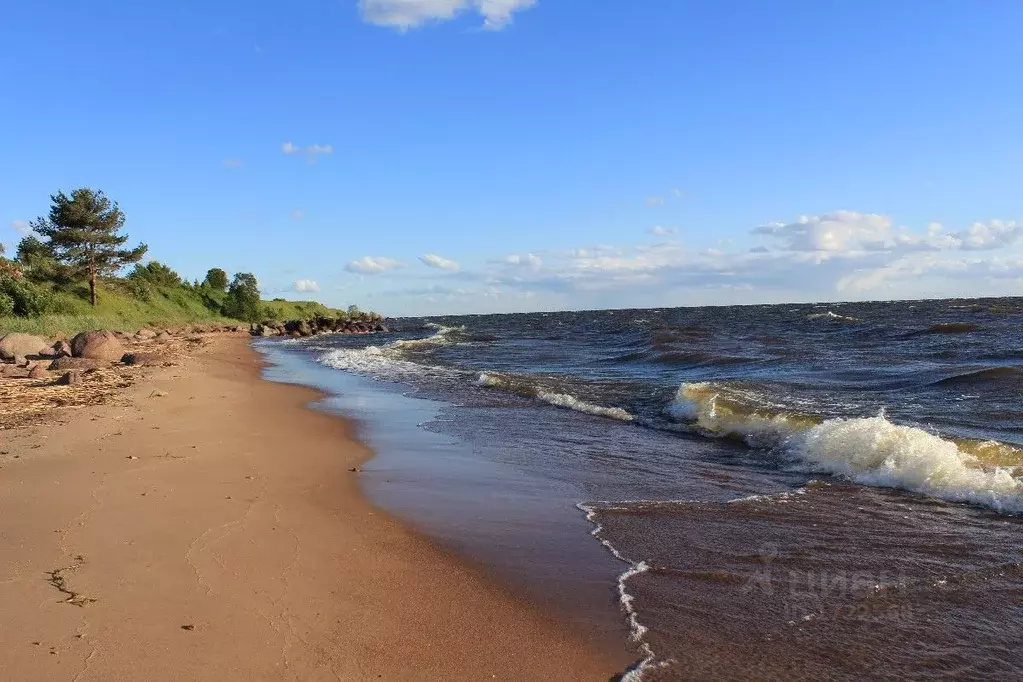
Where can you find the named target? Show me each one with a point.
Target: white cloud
(992, 235)
(661, 231)
(311, 152)
(314, 149)
(373, 265)
(838, 231)
(297, 214)
(234, 163)
(22, 227)
(530, 260)
(434, 261)
(407, 14)
(303, 286)
(844, 232)
(654, 201)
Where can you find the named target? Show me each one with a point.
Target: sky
(424, 157)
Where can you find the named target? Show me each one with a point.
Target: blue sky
(439, 156)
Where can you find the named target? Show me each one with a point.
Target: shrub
(216, 279)
(6, 305)
(156, 273)
(242, 301)
(27, 299)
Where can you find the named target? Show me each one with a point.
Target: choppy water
(815, 491)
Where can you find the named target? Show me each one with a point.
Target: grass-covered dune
(70, 273)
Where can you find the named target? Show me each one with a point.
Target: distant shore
(206, 526)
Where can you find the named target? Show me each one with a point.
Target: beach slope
(206, 526)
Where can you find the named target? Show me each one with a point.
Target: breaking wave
(832, 316)
(867, 450)
(982, 376)
(528, 389)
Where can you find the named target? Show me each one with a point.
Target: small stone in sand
(132, 457)
(355, 470)
(188, 627)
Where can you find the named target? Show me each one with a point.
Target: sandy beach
(206, 526)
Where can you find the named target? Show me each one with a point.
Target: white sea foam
(380, 362)
(444, 336)
(874, 451)
(573, 403)
(636, 629)
(490, 380)
(832, 316)
(557, 399)
(867, 450)
(731, 411)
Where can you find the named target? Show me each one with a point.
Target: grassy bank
(116, 311)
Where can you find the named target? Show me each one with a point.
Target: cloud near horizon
(432, 260)
(840, 254)
(303, 286)
(22, 227)
(409, 14)
(373, 265)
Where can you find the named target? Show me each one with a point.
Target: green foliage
(83, 234)
(27, 298)
(6, 305)
(281, 310)
(43, 290)
(242, 301)
(157, 274)
(216, 279)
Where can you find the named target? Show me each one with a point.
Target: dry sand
(207, 527)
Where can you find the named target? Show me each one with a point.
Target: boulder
(60, 349)
(16, 343)
(140, 359)
(163, 336)
(76, 363)
(98, 345)
(37, 372)
(70, 379)
(145, 334)
(20, 361)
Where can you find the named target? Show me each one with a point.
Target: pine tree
(83, 232)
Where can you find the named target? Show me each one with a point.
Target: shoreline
(238, 545)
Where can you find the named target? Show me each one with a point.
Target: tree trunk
(92, 276)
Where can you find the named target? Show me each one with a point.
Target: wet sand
(209, 528)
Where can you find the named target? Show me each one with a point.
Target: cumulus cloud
(845, 232)
(530, 260)
(310, 152)
(432, 260)
(22, 227)
(407, 14)
(303, 286)
(661, 231)
(373, 265)
(838, 231)
(992, 235)
(841, 254)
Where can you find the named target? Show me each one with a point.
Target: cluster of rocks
(318, 325)
(33, 357)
